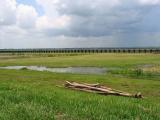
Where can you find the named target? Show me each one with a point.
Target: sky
(79, 23)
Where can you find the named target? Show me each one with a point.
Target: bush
(138, 72)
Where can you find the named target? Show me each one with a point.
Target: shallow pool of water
(79, 70)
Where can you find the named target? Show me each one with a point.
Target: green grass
(33, 95)
(102, 60)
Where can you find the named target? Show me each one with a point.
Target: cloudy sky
(79, 23)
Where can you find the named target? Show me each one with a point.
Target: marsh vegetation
(30, 94)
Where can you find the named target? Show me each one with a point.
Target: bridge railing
(84, 50)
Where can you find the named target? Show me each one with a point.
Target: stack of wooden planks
(99, 89)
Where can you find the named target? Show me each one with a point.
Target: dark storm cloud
(92, 18)
(80, 23)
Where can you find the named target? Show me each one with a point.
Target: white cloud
(49, 7)
(45, 22)
(81, 22)
(88, 17)
(26, 16)
(7, 12)
(149, 2)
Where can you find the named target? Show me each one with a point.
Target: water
(79, 70)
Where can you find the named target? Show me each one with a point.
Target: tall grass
(33, 95)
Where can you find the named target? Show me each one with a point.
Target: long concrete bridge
(83, 50)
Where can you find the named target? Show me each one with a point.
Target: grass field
(33, 95)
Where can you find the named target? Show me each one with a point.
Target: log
(113, 89)
(96, 85)
(96, 88)
(77, 85)
(92, 85)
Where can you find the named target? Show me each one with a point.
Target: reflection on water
(80, 70)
